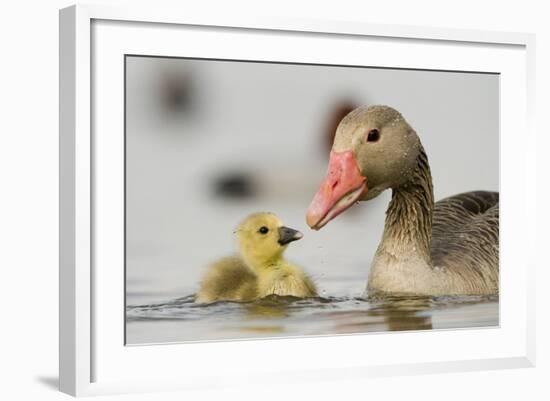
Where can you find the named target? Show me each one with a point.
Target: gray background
(268, 120)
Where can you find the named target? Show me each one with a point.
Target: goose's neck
(408, 226)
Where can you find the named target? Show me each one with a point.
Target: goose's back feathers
(465, 239)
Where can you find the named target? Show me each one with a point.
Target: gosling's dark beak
(287, 235)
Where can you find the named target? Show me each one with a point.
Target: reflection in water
(405, 314)
(387, 314)
(184, 320)
(267, 309)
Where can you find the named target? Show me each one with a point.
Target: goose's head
(374, 149)
(263, 238)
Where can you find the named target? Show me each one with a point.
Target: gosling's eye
(263, 230)
(373, 135)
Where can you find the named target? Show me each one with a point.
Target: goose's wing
(471, 203)
(228, 279)
(465, 235)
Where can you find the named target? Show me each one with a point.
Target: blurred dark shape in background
(176, 92)
(339, 111)
(236, 185)
(244, 184)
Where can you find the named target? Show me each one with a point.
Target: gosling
(260, 269)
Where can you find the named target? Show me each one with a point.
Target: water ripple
(185, 308)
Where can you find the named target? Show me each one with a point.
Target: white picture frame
(93, 358)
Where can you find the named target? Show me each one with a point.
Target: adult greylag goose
(450, 247)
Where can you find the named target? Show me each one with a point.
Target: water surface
(181, 319)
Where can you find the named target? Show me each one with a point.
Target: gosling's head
(374, 149)
(263, 238)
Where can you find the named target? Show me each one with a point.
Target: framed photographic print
(235, 191)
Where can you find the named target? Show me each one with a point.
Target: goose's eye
(263, 230)
(373, 135)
